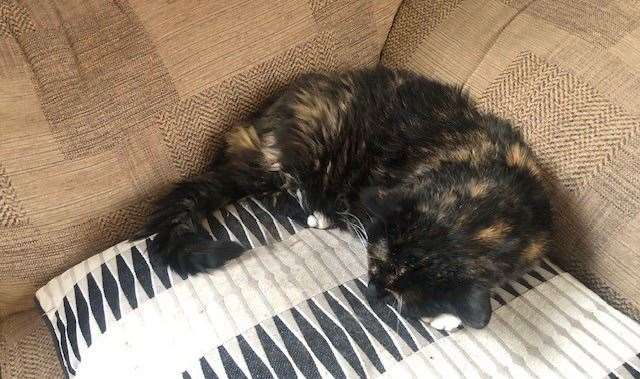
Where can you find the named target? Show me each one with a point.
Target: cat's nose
(376, 290)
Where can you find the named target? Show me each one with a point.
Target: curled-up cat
(448, 199)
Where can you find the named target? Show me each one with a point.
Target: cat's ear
(472, 305)
(380, 201)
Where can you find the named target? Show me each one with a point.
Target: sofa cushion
(566, 72)
(27, 347)
(294, 305)
(104, 103)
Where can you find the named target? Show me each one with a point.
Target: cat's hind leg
(181, 239)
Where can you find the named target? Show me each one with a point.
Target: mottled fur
(450, 198)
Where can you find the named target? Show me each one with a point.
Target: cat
(449, 199)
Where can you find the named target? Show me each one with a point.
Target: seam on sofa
(53, 335)
(494, 39)
(386, 38)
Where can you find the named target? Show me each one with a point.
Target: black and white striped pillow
(294, 306)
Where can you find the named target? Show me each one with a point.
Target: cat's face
(401, 275)
(425, 263)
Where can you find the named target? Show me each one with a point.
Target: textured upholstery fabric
(104, 103)
(567, 73)
(26, 347)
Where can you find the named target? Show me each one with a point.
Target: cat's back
(377, 122)
(367, 107)
(333, 119)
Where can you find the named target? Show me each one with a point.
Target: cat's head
(442, 251)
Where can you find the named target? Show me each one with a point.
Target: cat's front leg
(317, 219)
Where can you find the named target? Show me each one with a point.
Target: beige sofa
(103, 104)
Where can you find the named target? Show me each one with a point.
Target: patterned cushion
(104, 103)
(294, 306)
(566, 72)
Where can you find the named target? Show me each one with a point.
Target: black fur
(450, 198)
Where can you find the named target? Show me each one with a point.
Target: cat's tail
(181, 240)
(193, 253)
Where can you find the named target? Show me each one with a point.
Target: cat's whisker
(357, 230)
(363, 242)
(362, 228)
(399, 312)
(359, 225)
(349, 225)
(358, 233)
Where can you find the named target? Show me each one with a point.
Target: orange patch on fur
(460, 155)
(449, 198)
(313, 108)
(461, 220)
(477, 188)
(494, 233)
(270, 152)
(534, 250)
(519, 156)
(475, 151)
(244, 137)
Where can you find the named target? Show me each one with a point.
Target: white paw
(318, 220)
(446, 322)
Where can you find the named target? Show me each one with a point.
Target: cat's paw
(446, 322)
(312, 221)
(318, 220)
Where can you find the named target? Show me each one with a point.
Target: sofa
(105, 104)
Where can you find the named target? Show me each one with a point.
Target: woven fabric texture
(27, 348)
(566, 73)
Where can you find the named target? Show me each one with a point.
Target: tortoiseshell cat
(449, 198)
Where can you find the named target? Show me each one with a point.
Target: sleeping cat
(449, 199)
